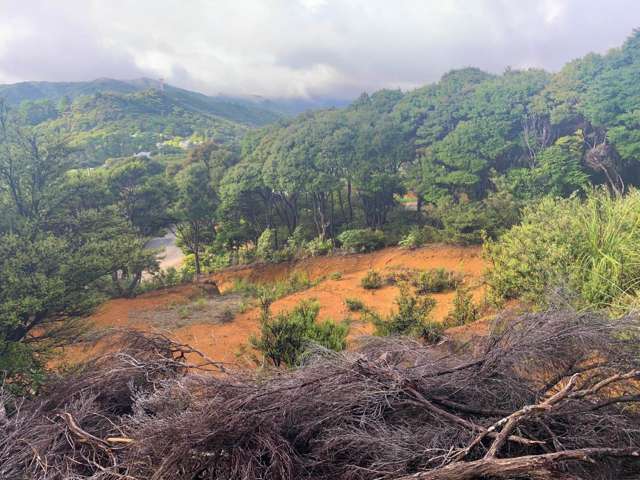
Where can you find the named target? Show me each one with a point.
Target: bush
(165, 279)
(361, 240)
(468, 223)
(589, 247)
(317, 247)
(286, 338)
(411, 319)
(354, 304)
(336, 276)
(419, 236)
(266, 245)
(211, 260)
(464, 310)
(371, 281)
(436, 280)
(400, 275)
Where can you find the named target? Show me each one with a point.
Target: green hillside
(230, 108)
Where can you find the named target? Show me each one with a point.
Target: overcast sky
(289, 48)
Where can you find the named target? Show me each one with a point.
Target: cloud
(281, 48)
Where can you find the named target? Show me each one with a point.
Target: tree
(195, 211)
(48, 276)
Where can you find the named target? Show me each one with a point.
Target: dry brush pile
(547, 396)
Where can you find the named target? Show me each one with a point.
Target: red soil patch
(223, 341)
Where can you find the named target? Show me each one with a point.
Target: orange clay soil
(222, 341)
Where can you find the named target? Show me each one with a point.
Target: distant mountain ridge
(246, 113)
(248, 110)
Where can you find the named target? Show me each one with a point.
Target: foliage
(65, 234)
(417, 237)
(372, 280)
(587, 246)
(436, 280)
(412, 318)
(265, 247)
(285, 339)
(354, 304)
(109, 123)
(464, 310)
(170, 277)
(295, 282)
(361, 240)
(318, 247)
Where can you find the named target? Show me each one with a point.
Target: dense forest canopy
(468, 142)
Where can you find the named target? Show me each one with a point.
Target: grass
(274, 290)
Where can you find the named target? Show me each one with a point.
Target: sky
(299, 48)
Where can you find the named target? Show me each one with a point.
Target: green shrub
(411, 319)
(436, 280)
(420, 236)
(336, 276)
(211, 260)
(464, 310)
(170, 277)
(285, 339)
(354, 304)
(361, 240)
(266, 245)
(317, 247)
(371, 281)
(589, 247)
(432, 331)
(469, 223)
(400, 275)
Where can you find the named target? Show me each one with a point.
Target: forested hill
(475, 146)
(110, 118)
(245, 111)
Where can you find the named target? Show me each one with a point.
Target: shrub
(286, 338)
(419, 236)
(317, 247)
(361, 240)
(354, 304)
(411, 319)
(371, 281)
(398, 275)
(211, 260)
(589, 247)
(165, 279)
(436, 280)
(464, 310)
(468, 223)
(266, 245)
(336, 276)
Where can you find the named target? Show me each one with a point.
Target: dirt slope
(223, 340)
